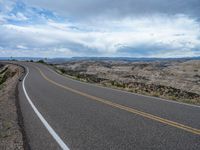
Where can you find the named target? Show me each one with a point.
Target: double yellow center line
(128, 109)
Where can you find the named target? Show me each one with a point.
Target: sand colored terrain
(175, 80)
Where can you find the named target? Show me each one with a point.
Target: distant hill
(131, 59)
(128, 59)
(22, 58)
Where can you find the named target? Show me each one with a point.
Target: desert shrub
(4, 70)
(197, 76)
(62, 70)
(41, 61)
(112, 82)
(3, 78)
(118, 84)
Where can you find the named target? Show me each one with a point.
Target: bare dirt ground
(10, 132)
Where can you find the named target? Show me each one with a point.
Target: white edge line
(137, 94)
(45, 123)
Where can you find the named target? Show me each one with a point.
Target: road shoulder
(11, 132)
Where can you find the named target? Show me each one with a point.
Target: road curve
(61, 113)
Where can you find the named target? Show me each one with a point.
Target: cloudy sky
(125, 28)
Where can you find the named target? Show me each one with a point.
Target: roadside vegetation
(41, 61)
(2, 75)
(5, 73)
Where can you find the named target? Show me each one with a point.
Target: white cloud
(84, 9)
(155, 36)
(21, 47)
(18, 17)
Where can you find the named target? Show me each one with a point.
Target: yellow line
(141, 113)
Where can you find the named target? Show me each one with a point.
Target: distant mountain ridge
(129, 59)
(132, 58)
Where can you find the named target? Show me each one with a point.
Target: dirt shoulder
(10, 132)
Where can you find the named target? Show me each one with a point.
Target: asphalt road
(59, 112)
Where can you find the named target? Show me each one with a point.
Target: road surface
(61, 113)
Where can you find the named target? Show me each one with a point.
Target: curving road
(61, 113)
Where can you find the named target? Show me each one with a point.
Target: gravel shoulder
(11, 136)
